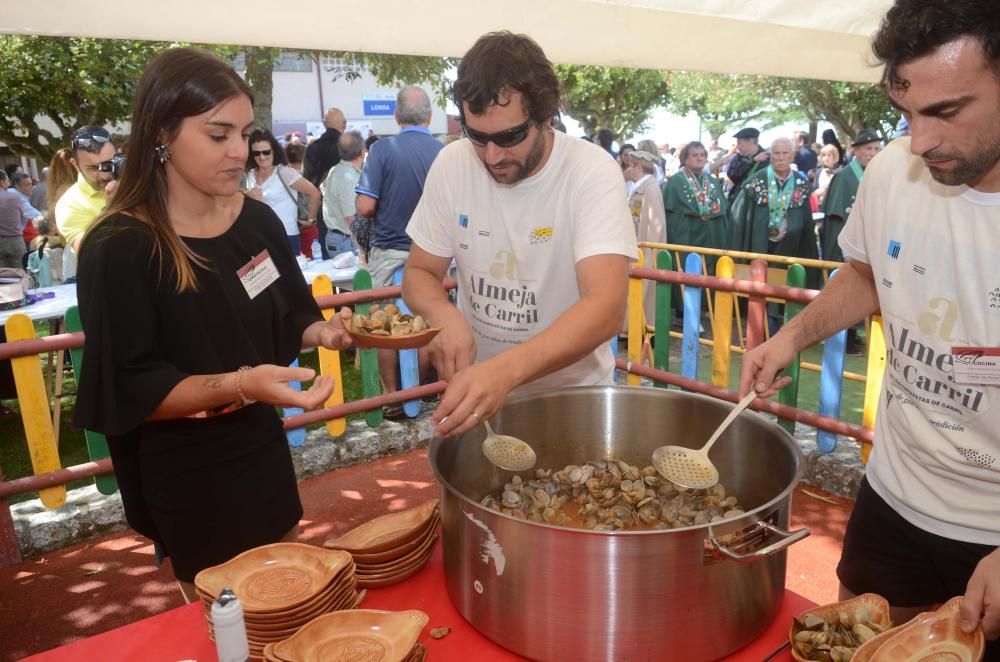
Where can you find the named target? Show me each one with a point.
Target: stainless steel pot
(552, 593)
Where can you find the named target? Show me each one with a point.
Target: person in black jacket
(321, 155)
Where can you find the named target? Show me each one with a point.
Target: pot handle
(788, 538)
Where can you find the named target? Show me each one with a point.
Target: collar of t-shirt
(86, 188)
(981, 198)
(421, 129)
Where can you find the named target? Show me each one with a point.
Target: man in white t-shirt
(538, 226)
(922, 244)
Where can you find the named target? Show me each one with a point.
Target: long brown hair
(62, 175)
(178, 83)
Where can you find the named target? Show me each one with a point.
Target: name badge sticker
(978, 366)
(257, 274)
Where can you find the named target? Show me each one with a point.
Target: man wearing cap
(843, 189)
(748, 160)
(648, 215)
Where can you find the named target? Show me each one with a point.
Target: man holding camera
(94, 158)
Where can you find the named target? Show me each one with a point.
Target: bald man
(321, 155)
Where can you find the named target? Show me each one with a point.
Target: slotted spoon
(507, 452)
(690, 467)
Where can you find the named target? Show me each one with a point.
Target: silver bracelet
(239, 385)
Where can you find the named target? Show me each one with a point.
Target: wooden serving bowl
(932, 635)
(876, 605)
(386, 532)
(379, 341)
(383, 635)
(274, 578)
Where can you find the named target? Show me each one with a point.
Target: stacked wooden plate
(281, 587)
(391, 548)
(359, 634)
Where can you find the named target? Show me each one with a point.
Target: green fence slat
(97, 444)
(371, 382)
(664, 318)
(796, 277)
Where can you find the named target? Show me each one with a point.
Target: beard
(968, 167)
(520, 169)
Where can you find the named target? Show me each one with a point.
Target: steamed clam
(610, 495)
(387, 321)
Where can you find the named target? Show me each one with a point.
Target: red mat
(181, 634)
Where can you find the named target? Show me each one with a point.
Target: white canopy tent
(796, 38)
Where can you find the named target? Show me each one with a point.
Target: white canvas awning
(797, 38)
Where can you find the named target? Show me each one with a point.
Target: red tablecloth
(181, 633)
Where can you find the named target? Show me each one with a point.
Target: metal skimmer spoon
(689, 467)
(506, 452)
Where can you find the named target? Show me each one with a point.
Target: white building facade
(304, 89)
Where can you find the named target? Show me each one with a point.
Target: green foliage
(850, 107)
(721, 100)
(394, 70)
(612, 98)
(70, 82)
(725, 101)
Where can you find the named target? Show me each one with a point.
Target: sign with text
(379, 107)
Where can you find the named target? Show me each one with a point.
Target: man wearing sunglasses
(83, 202)
(538, 225)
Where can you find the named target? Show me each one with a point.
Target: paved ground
(90, 588)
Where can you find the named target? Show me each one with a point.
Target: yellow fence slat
(636, 324)
(329, 361)
(34, 401)
(873, 385)
(722, 326)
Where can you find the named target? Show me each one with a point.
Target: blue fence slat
(409, 364)
(295, 437)
(831, 384)
(692, 320)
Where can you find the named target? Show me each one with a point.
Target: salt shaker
(230, 630)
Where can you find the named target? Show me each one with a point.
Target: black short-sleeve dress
(205, 489)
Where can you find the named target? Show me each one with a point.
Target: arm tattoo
(212, 382)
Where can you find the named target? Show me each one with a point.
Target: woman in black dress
(193, 306)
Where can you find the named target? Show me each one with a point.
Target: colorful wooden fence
(832, 374)
(50, 478)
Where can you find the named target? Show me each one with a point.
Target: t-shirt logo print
(894, 248)
(540, 235)
(463, 220)
(993, 298)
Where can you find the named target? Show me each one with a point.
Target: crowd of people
(791, 198)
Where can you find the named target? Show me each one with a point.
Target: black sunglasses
(263, 152)
(502, 139)
(91, 141)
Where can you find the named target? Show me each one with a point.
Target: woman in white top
(271, 180)
(829, 160)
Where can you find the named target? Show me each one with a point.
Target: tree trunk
(813, 131)
(260, 76)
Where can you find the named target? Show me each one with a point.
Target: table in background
(55, 308)
(182, 634)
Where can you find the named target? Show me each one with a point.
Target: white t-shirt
(516, 246)
(934, 250)
(277, 198)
